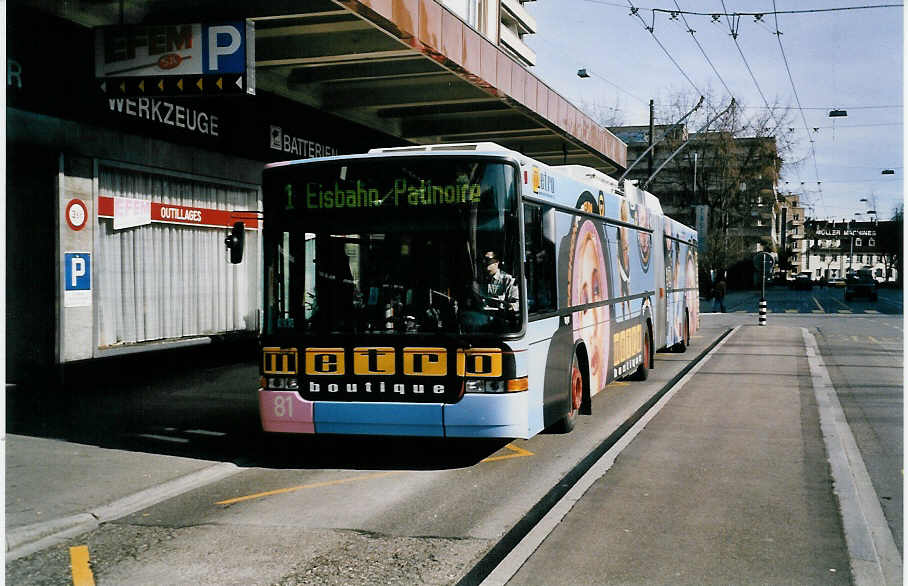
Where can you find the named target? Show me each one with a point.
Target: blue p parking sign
(76, 279)
(78, 271)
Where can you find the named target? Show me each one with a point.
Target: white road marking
(164, 438)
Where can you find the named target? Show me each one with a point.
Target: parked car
(861, 284)
(836, 283)
(802, 282)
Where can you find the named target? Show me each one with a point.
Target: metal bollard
(762, 311)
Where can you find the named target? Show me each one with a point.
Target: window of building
(871, 242)
(857, 242)
(835, 257)
(822, 258)
(860, 258)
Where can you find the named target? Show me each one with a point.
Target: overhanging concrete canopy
(412, 69)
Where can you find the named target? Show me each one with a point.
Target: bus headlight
(514, 385)
(281, 383)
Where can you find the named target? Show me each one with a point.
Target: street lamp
(851, 247)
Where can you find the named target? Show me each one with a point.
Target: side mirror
(235, 242)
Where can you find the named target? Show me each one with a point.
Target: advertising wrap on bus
(460, 294)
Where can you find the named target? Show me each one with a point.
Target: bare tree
(732, 166)
(605, 116)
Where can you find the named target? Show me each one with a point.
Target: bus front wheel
(575, 398)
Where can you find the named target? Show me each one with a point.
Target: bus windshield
(397, 245)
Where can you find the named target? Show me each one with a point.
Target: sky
(850, 60)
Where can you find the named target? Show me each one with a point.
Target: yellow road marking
(791, 311)
(844, 311)
(618, 383)
(856, 339)
(519, 453)
(250, 497)
(874, 340)
(78, 559)
(870, 311)
(818, 311)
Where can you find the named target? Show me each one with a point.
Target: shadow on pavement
(201, 403)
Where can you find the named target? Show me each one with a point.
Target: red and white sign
(128, 213)
(76, 214)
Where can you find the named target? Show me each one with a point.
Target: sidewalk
(100, 484)
(728, 484)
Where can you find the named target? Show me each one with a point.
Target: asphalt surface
(729, 483)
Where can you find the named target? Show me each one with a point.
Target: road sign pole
(763, 262)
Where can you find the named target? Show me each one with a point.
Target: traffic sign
(763, 261)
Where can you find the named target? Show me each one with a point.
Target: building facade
(790, 233)
(722, 185)
(131, 152)
(835, 249)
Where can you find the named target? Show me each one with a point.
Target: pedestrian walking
(719, 296)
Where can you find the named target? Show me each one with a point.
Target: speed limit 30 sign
(76, 214)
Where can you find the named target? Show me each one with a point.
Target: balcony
(514, 45)
(515, 15)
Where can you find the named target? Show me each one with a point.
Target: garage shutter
(163, 281)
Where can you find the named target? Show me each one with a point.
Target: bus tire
(681, 347)
(642, 371)
(575, 398)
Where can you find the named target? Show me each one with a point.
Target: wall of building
(117, 207)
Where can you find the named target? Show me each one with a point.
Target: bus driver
(500, 285)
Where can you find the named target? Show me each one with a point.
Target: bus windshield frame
(394, 245)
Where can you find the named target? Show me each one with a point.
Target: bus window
(540, 258)
(393, 246)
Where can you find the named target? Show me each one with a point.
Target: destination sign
(361, 194)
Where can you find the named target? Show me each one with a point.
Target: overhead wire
(652, 32)
(734, 35)
(705, 56)
(760, 14)
(794, 89)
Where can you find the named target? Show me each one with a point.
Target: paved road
(333, 510)
(864, 354)
(828, 300)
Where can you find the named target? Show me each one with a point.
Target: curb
(29, 539)
(874, 555)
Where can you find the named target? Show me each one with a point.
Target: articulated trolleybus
(461, 291)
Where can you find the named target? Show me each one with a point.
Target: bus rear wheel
(681, 346)
(575, 398)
